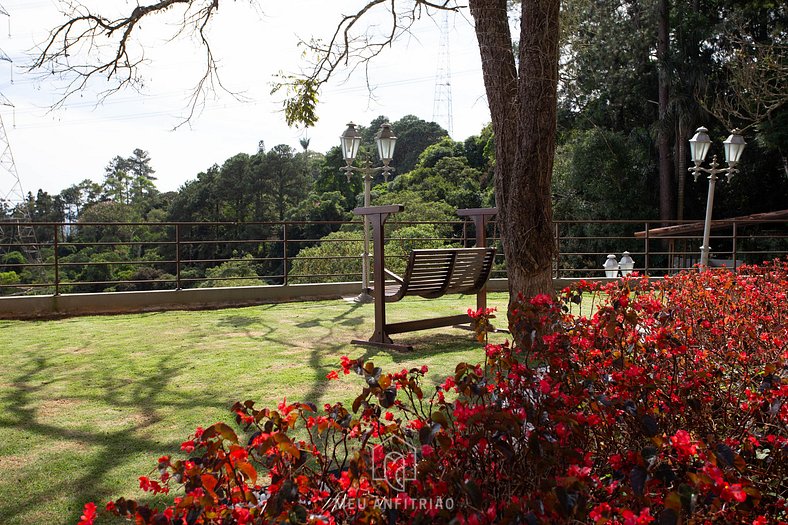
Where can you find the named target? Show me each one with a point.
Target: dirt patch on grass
(14, 462)
(130, 421)
(256, 334)
(54, 407)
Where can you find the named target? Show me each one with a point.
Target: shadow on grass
(108, 449)
(237, 321)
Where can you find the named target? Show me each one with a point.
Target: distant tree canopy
(260, 187)
(599, 173)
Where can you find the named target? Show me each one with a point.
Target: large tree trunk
(666, 188)
(681, 170)
(523, 111)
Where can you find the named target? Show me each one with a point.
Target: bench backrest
(432, 273)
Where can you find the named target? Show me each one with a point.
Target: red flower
(542, 300)
(149, 485)
(144, 483)
(683, 444)
(88, 514)
(476, 314)
(733, 492)
(332, 375)
(600, 511)
(630, 518)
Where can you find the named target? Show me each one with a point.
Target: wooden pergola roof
(697, 227)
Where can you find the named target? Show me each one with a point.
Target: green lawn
(87, 404)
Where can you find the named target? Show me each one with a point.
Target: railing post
(557, 251)
(55, 245)
(284, 252)
(646, 253)
(734, 245)
(177, 256)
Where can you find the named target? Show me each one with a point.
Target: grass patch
(87, 404)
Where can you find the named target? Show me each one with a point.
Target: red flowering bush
(667, 405)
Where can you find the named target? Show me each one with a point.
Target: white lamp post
(627, 264)
(351, 141)
(611, 267)
(699, 147)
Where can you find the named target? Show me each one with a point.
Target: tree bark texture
(666, 187)
(523, 111)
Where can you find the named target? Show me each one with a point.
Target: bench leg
(380, 336)
(390, 345)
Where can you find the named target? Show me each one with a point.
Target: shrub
(6, 279)
(238, 271)
(14, 261)
(335, 259)
(667, 405)
(149, 278)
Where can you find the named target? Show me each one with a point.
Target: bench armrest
(394, 276)
(373, 210)
(470, 212)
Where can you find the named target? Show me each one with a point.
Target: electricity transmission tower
(12, 196)
(441, 108)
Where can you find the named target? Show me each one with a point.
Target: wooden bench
(429, 274)
(433, 273)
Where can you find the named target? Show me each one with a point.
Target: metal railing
(581, 245)
(94, 257)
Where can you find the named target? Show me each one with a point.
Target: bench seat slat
(433, 273)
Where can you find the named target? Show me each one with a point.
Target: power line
(11, 189)
(441, 107)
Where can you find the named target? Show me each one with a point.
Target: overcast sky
(55, 149)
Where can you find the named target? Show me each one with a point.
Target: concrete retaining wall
(26, 307)
(35, 306)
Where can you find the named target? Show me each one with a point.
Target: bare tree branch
(90, 45)
(756, 75)
(352, 45)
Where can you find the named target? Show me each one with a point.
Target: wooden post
(377, 216)
(480, 217)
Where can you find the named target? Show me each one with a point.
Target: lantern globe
(350, 142)
(700, 144)
(734, 147)
(386, 140)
